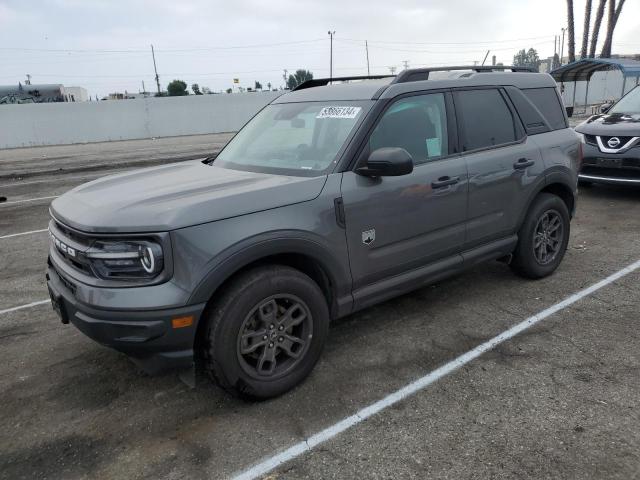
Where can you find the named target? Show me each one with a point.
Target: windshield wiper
(209, 160)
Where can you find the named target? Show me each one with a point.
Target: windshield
(293, 138)
(630, 103)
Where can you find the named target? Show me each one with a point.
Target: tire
(237, 356)
(530, 262)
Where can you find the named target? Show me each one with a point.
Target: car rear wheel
(543, 237)
(266, 332)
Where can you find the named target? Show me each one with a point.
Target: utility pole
(285, 78)
(155, 69)
(562, 46)
(406, 64)
(392, 70)
(366, 46)
(485, 57)
(331, 34)
(28, 81)
(143, 89)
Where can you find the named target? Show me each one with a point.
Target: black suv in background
(612, 143)
(331, 199)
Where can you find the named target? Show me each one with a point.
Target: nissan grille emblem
(613, 142)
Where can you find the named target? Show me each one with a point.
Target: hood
(622, 124)
(177, 195)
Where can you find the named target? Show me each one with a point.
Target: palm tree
(571, 40)
(585, 30)
(596, 27)
(612, 20)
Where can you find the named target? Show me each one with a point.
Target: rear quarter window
(546, 100)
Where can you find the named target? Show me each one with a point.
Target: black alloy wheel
(274, 336)
(548, 236)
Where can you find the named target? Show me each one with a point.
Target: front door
(395, 225)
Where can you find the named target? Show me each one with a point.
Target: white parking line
(28, 305)
(29, 200)
(11, 235)
(298, 449)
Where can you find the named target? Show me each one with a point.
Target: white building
(76, 94)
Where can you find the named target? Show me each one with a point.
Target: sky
(104, 45)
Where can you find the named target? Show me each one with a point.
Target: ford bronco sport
(333, 198)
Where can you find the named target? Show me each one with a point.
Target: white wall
(65, 123)
(603, 86)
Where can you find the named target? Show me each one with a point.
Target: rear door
(398, 224)
(503, 165)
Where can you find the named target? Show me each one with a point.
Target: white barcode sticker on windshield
(339, 112)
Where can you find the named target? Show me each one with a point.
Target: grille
(70, 285)
(623, 140)
(77, 241)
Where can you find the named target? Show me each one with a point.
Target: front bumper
(610, 168)
(147, 336)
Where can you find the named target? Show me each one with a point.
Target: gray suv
(333, 198)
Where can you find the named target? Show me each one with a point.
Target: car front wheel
(266, 332)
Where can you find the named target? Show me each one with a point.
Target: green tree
(196, 89)
(527, 58)
(229, 90)
(298, 78)
(258, 86)
(177, 88)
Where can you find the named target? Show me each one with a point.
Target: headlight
(126, 260)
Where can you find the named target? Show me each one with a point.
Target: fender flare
(253, 249)
(557, 176)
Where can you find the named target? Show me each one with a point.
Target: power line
(447, 43)
(97, 50)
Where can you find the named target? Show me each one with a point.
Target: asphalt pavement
(559, 400)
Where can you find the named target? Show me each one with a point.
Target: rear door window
(485, 118)
(546, 100)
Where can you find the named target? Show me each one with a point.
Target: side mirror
(387, 162)
(605, 107)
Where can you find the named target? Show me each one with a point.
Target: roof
(362, 90)
(582, 70)
(387, 88)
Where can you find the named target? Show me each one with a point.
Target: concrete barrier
(66, 123)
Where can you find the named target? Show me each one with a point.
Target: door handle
(523, 163)
(445, 182)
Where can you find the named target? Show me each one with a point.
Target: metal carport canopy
(585, 68)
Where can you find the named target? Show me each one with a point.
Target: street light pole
(562, 46)
(331, 34)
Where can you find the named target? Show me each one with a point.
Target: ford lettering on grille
(63, 247)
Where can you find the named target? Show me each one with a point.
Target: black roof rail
(321, 82)
(417, 74)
